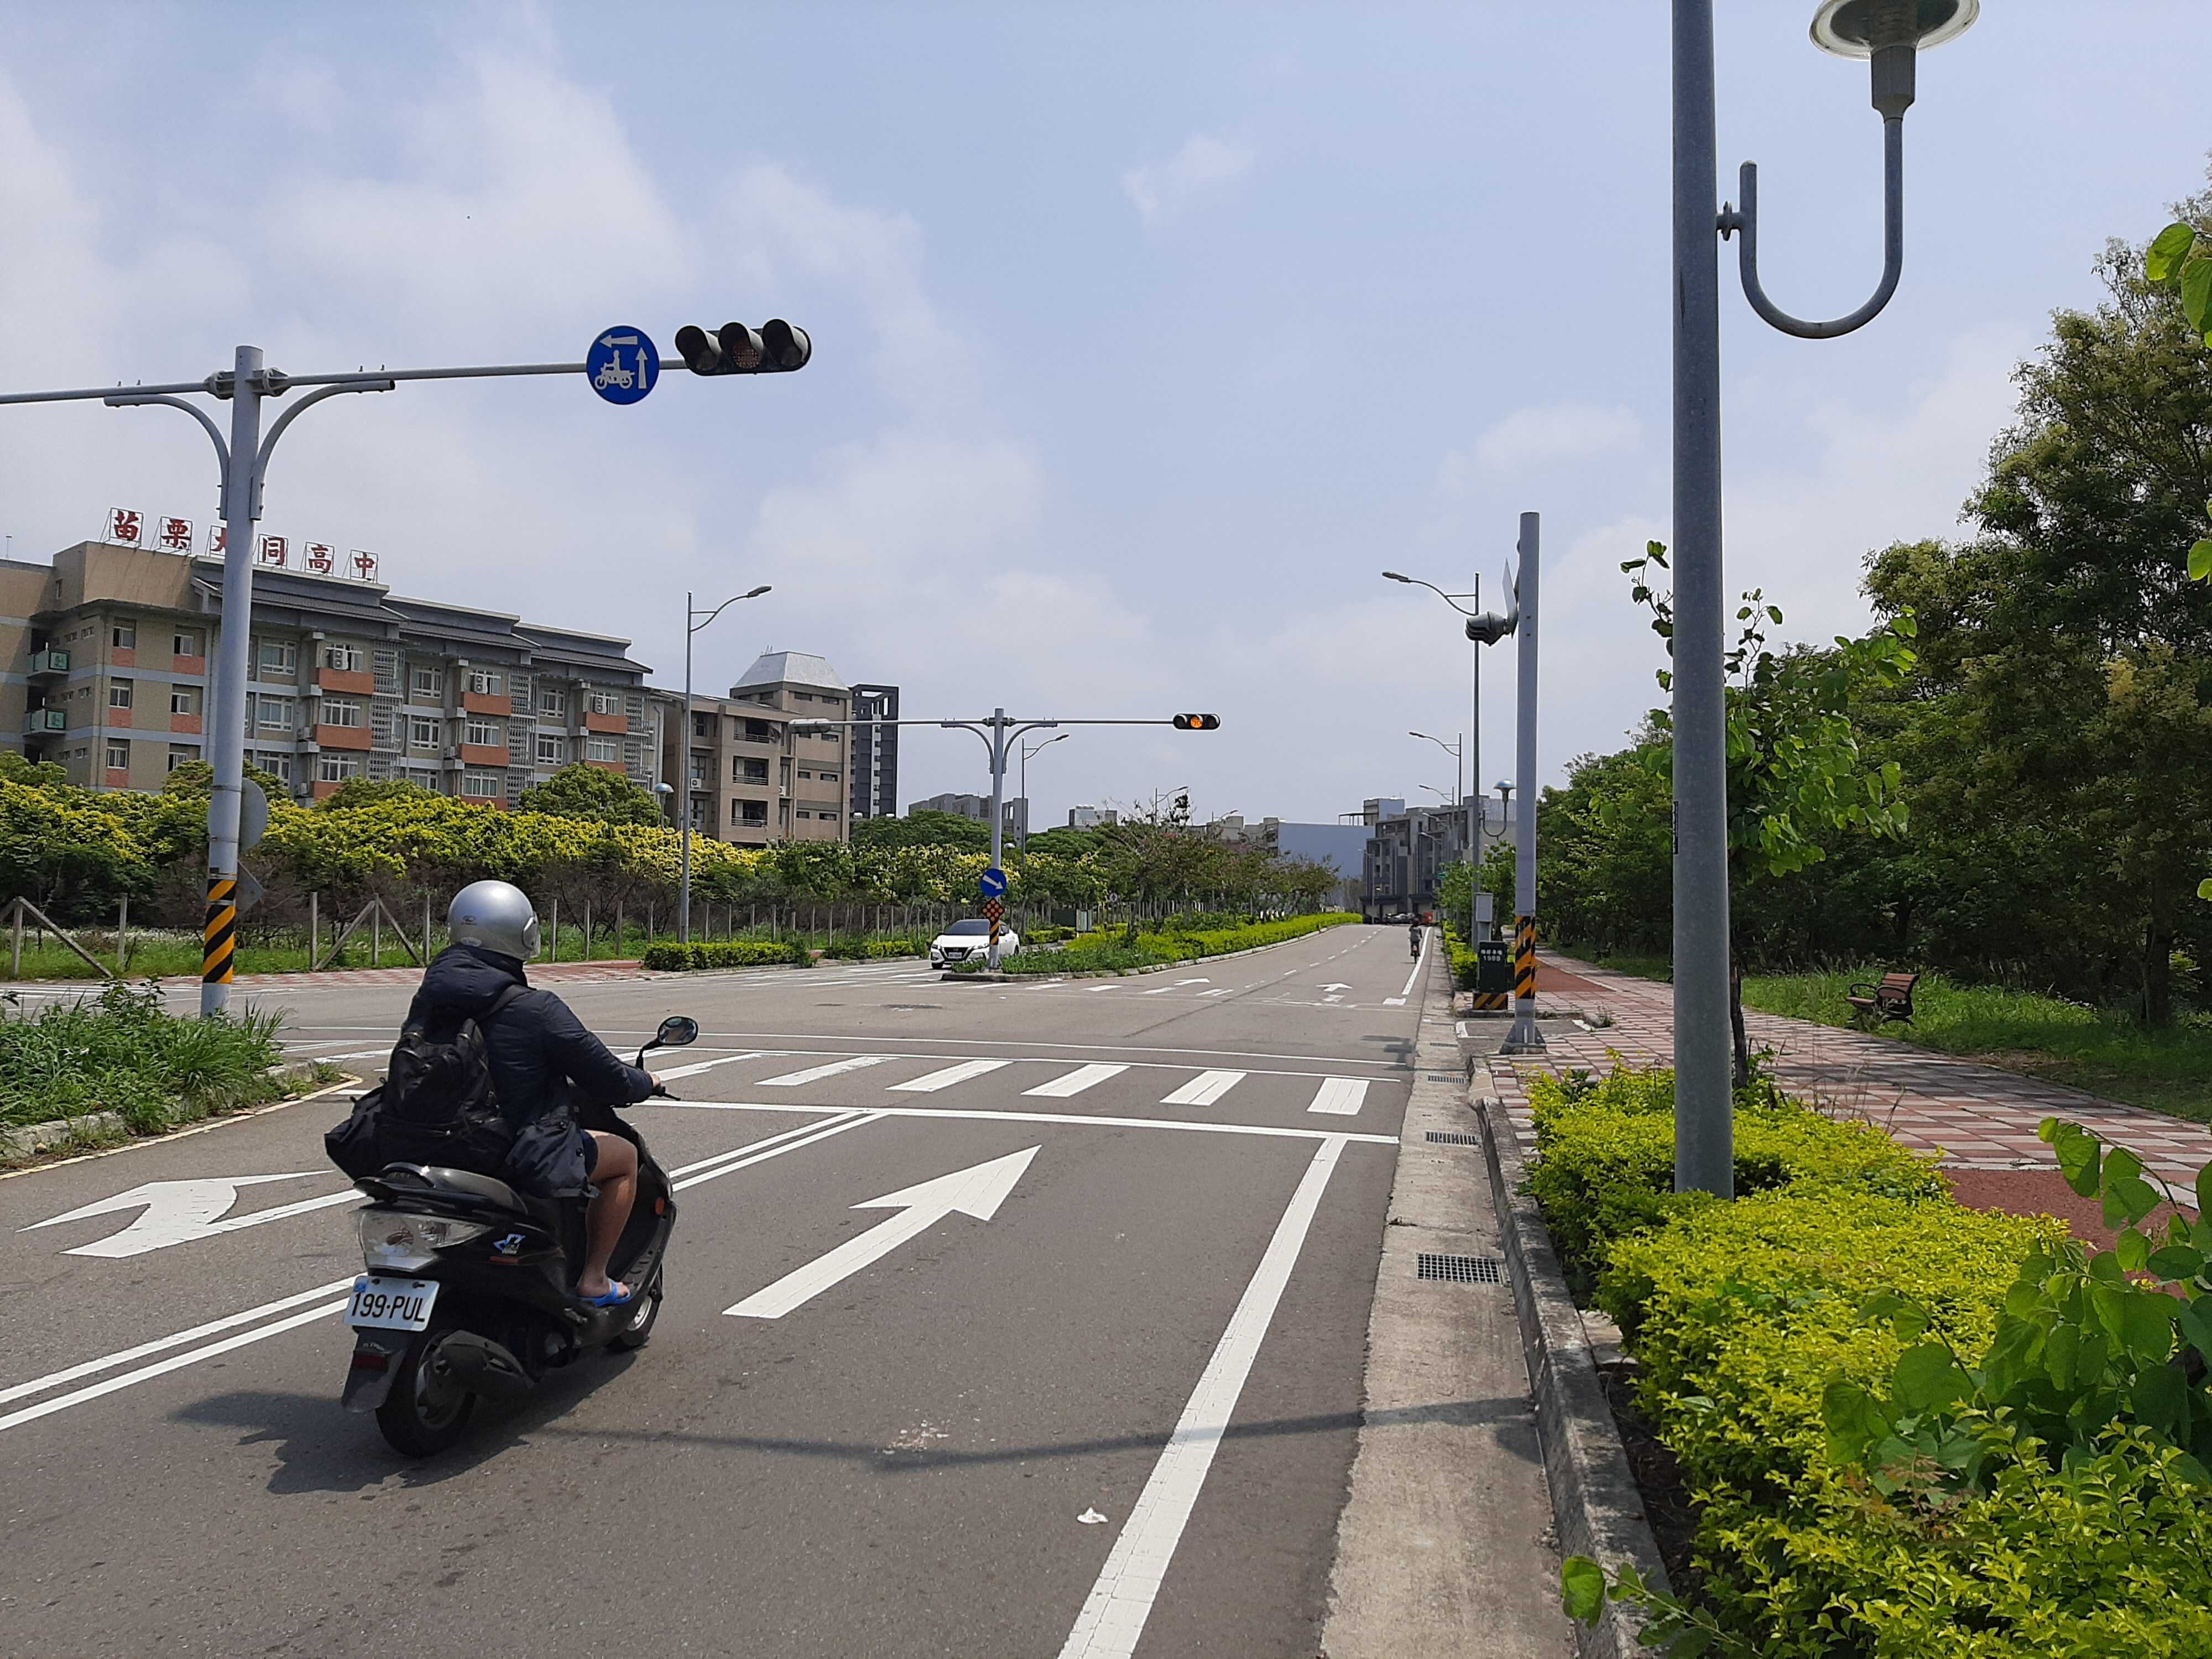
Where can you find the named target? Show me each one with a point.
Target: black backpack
(436, 1105)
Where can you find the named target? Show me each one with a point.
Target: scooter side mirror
(676, 1032)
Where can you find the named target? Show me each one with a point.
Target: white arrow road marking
(945, 1080)
(1224, 991)
(699, 1066)
(1203, 1089)
(1338, 987)
(1075, 1082)
(1121, 1600)
(179, 1212)
(816, 1073)
(977, 1191)
(1178, 985)
(1342, 1096)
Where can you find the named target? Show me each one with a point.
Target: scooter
(470, 1290)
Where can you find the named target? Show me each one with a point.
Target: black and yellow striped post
(1524, 961)
(222, 930)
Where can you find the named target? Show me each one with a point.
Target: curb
(1598, 1511)
(62, 1134)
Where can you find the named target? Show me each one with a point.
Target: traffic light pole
(1524, 1038)
(244, 462)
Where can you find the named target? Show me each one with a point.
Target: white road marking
(699, 1066)
(1203, 1089)
(1121, 1600)
(977, 1191)
(1394, 1002)
(791, 1141)
(1075, 1082)
(1178, 985)
(1420, 963)
(1085, 1120)
(182, 1211)
(1095, 988)
(1224, 991)
(816, 1073)
(951, 1074)
(1341, 1096)
(1336, 985)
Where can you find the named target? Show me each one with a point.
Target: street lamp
(694, 620)
(1027, 749)
(1889, 34)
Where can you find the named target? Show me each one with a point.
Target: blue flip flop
(613, 1298)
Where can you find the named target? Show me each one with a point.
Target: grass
(1110, 950)
(122, 1051)
(1658, 968)
(2103, 1052)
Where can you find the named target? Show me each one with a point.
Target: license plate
(392, 1305)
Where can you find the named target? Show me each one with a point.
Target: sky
(1145, 337)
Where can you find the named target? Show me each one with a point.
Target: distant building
(976, 809)
(1092, 817)
(1408, 851)
(748, 777)
(1341, 846)
(873, 757)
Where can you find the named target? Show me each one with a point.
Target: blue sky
(1144, 336)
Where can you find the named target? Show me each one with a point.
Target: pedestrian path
(1977, 1116)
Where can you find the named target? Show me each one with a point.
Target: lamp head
(1392, 576)
(764, 588)
(1859, 28)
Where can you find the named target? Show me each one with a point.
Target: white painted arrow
(977, 1191)
(180, 1212)
(1336, 987)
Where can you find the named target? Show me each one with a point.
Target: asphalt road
(967, 1447)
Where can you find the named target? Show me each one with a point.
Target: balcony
(44, 663)
(345, 681)
(486, 702)
(41, 721)
(616, 725)
(345, 737)
(485, 754)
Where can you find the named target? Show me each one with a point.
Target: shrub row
(122, 1051)
(871, 950)
(1111, 947)
(1846, 1285)
(723, 953)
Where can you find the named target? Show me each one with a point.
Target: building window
(178, 755)
(552, 702)
(482, 786)
(756, 812)
(125, 636)
(551, 750)
(827, 777)
(340, 711)
(336, 768)
(422, 777)
(829, 738)
(118, 757)
(427, 682)
(184, 699)
(605, 702)
(422, 733)
(703, 725)
(747, 771)
(185, 642)
(118, 694)
(277, 656)
(804, 773)
(602, 749)
(483, 682)
(345, 659)
(483, 733)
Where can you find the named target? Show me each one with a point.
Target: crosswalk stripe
(945, 1080)
(1339, 1096)
(1203, 1089)
(815, 1073)
(1075, 1082)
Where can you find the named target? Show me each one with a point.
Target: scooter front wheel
(428, 1407)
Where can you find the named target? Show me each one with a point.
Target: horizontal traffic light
(774, 348)
(1197, 722)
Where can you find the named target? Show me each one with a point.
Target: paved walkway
(1978, 1116)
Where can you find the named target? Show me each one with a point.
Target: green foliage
(723, 953)
(846, 948)
(593, 792)
(369, 791)
(1178, 940)
(121, 1052)
(923, 830)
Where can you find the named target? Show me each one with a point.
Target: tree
(923, 830)
(585, 790)
(368, 791)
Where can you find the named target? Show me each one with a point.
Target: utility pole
(694, 620)
(1524, 1038)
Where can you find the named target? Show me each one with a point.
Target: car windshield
(972, 925)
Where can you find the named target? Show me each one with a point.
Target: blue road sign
(993, 884)
(622, 365)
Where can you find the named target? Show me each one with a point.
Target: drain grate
(1462, 1269)
(1454, 1137)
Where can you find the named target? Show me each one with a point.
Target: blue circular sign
(622, 365)
(993, 885)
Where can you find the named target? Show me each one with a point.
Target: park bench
(1891, 999)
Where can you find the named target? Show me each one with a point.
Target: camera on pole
(1198, 722)
(774, 348)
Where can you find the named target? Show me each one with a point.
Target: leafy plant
(723, 953)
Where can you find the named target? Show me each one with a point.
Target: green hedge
(1112, 947)
(872, 950)
(725, 953)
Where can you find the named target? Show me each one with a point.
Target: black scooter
(470, 1286)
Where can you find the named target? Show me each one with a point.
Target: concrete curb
(66, 1134)
(1597, 1510)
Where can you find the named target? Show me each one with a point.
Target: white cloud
(1542, 437)
(1160, 188)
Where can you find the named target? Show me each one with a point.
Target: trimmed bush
(122, 1051)
(1113, 948)
(872, 950)
(724, 953)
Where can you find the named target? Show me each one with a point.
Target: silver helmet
(495, 915)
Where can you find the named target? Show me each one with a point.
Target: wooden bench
(1891, 999)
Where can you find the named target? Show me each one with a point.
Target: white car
(970, 938)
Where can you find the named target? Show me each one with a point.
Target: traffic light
(774, 348)
(1197, 722)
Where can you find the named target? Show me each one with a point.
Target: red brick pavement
(1976, 1115)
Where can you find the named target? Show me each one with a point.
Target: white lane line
(1075, 1082)
(1394, 1002)
(1226, 990)
(1085, 1120)
(791, 1141)
(1121, 1600)
(1097, 988)
(699, 1066)
(1420, 963)
(834, 1114)
(1203, 1089)
(1341, 1096)
(108, 1361)
(816, 1073)
(934, 1081)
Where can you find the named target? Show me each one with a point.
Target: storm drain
(1462, 1269)
(1454, 1137)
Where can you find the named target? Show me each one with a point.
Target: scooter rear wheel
(635, 1334)
(428, 1409)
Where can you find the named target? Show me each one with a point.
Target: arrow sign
(1336, 987)
(993, 884)
(977, 1191)
(180, 1212)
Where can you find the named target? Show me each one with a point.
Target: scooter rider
(1415, 931)
(535, 1048)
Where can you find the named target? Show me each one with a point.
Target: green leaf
(2128, 1196)
(2133, 1249)
(2204, 888)
(1854, 1419)
(1928, 1376)
(2177, 1261)
(1581, 1585)
(2146, 1324)
(2079, 1155)
(2205, 1180)
(2160, 1398)
(2196, 1327)
(2200, 559)
(2197, 294)
(2167, 250)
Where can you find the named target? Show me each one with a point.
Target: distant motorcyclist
(537, 1049)
(1415, 931)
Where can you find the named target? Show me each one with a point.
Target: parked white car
(969, 938)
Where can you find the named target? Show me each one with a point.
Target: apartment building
(748, 777)
(107, 651)
(874, 753)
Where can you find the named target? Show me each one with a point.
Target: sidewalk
(1978, 1116)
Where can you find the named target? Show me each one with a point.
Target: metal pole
(1524, 1037)
(997, 808)
(1704, 1129)
(684, 777)
(241, 512)
(315, 930)
(122, 934)
(426, 926)
(1475, 811)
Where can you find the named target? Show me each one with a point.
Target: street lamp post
(1889, 32)
(1027, 749)
(694, 620)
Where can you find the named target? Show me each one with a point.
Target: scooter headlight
(397, 1239)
